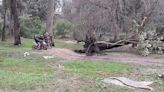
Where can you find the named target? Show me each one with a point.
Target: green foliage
(149, 39)
(63, 27)
(100, 84)
(31, 26)
(151, 42)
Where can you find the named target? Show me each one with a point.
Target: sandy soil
(115, 56)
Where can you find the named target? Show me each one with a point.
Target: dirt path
(112, 56)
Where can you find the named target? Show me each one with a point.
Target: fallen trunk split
(97, 47)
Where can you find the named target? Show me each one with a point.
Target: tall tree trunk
(4, 22)
(14, 13)
(50, 18)
(3, 34)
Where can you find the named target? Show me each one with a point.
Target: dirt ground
(123, 55)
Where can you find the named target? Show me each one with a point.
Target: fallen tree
(146, 41)
(146, 38)
(98, 46)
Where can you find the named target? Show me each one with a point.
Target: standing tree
(16, 27)
(50, 18)
(6, 19)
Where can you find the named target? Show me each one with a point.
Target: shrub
(150, 40)
(62, 28)
(31, 26)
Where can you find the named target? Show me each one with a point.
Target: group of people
(43, 42)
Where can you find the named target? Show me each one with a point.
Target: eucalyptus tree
(50, 18)
(6, 18)
(16, 21)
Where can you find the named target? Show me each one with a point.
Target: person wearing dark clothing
(37, 42)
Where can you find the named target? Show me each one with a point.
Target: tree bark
(14, 13)
(7, 22)
(4, 22)
(97, 47)
(50, 18)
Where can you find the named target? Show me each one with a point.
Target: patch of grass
(21, 81)
(25, 65)
(27, 45)
(23, 73)
(94, 69)
(8, 45)
(63, 44)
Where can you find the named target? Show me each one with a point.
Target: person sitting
(40, 42)
(37, 42)
(47, 39)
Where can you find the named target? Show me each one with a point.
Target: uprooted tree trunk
(97, 47)
(92, 47)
